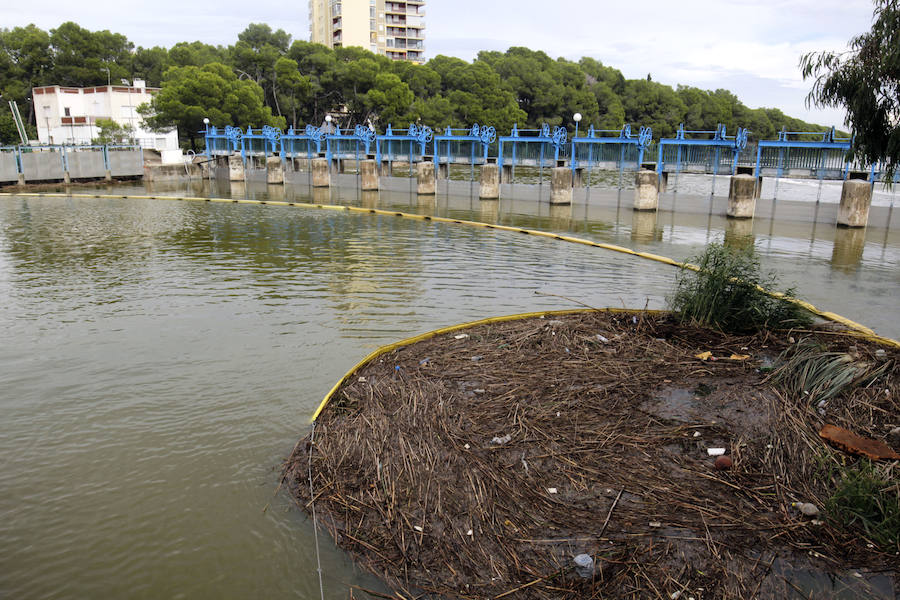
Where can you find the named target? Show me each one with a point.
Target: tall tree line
(266, 78)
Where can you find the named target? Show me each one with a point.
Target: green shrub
(865, 502)
(725, 295)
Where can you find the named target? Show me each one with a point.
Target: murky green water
(160, 358)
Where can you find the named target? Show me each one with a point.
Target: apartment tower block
(392, 28)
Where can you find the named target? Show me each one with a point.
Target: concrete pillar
(425, 177)
(443, 171)
(235, 168)
(561, 186)
(321, 176)
(385, 168)
(507, 173)
(67, 178)
(274, 170)
(742, 197)
(108, 175)
(856, 198)
(646, 190)
(21, 179)
(368, 175)
(490, 182)
(663, 182)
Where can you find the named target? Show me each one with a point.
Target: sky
(751, 47)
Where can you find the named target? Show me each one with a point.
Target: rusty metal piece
(855, 444)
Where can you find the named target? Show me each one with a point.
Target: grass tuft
(810, 373)
(865, 502)
(725, 294)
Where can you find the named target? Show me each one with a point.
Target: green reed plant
(866, 502)
(810, 372)
(725, 294)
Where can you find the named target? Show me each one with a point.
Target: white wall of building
(68, 115)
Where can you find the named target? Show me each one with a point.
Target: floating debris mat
(614, 455)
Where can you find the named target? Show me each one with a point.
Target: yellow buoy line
(855, 327)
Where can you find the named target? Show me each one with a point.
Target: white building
(393, 28)
(69, 115)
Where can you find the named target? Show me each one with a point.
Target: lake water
(161, 358)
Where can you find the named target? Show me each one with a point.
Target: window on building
(372, 24)
(67, 111)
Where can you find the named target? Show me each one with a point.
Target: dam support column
(646, 190)
(490, 182)
(742, 197)
(856, 199)
(274, 169)
(425, 176)
(368, 175)
(561, 185)
(321, 173)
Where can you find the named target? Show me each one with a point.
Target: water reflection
(174, 351)
(644, 226)
(369, 199)
(321, 195)
(739, 233)
(560, 217)
(847, 251)
(489, 211)
(426, 204)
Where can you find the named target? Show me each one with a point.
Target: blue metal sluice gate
(403, 144)
(610, 148)
(704, 152)
(532, 147)
(819, 155)
(825, 158)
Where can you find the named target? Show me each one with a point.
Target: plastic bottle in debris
(584, 566)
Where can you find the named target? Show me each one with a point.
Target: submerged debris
(592, 453)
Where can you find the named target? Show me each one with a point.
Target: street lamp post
(577, 118)
(206, 136)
